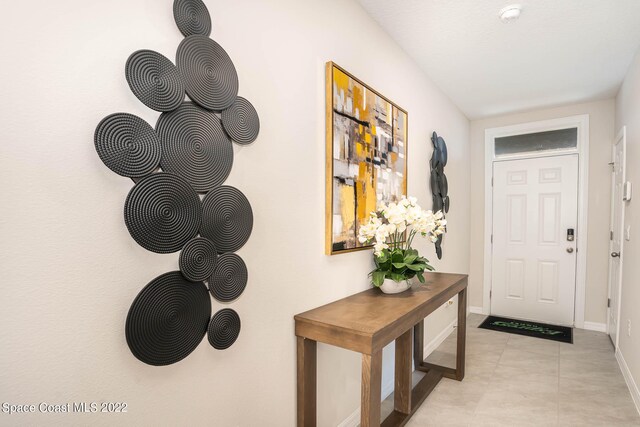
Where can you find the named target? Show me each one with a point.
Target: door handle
(615, 254)
(570, 250)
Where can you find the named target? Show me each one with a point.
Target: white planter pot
(390, 286)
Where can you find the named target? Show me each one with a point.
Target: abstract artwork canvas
(366, 157)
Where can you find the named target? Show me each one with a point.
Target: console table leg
(371, 389)
(418, 344)
(462, 333)
(402, 390)
(306, 350)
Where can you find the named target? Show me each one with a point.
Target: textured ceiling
(558, 52)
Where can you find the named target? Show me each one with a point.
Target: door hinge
(492, 238)
(611, 235)
(490, 293)
(608, 302)
(492, 181)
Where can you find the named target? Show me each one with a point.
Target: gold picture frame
(366, 156)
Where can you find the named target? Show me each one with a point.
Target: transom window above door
(553, 140)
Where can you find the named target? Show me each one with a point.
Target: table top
(371, 319)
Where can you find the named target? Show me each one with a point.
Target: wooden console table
(366, 322)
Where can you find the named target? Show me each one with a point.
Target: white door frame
(581, 122)
(622, 137)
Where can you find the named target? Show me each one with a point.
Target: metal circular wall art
(195, 146)
(192, 17)
(198, 259)
(127, 145)
(241, 121)
(229, 278)
(189, 152)
(227, 218)
(224, 329)
(168, 319)
(210, 76)
(154, 79)
(438, 181)
(162, 213)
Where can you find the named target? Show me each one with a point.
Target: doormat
(530, 329)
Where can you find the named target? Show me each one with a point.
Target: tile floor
(512, 380)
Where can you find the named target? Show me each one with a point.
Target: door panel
(616, 246)
(535, 201)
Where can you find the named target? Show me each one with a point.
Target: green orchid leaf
(377, 278)
(420, 277)
(410, 259)
(417, 267)
(397, 277)
(399, 265)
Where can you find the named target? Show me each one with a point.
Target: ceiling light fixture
(510, 13)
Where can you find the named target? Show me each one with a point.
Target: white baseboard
(628, 378)
(439, 339)
(594, 326)
(353, 420)
(475, 310)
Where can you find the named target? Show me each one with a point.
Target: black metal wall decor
(224, 329)
(438, 181)
(189, 152)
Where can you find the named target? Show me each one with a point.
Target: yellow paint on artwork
(340, 79)
(347, 207)
(373, 130)
(361, 201)
(367, 138)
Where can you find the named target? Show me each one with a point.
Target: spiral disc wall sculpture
(198, 259)
(211, 78)
(438, 181)
(192, 17)
(229, 278)
(224, 329)
(154, 80)
(227, 218)
(241, 121)
(195, 147)
(163, 211)
(127, 145)
(168, 319)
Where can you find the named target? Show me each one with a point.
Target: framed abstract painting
(366, 157)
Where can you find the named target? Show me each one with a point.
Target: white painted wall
(601, 132)
(70, 270)
(628, 114)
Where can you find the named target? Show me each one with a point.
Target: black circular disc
(438, 204)
(227, 218)
(241, 122)
(198, 259)
(229, 278)
(443, 184)
(168, 319)
(154, 79)
(192, 17)
(210, 76)
(435, 159)
(442, 148)
(162, 213)
(435, 184)
(224, 329)
(195, 147)
(127, 145)
(446, 204)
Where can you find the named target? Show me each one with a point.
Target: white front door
(535, 205)
(617, 224)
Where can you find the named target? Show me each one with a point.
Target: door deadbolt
(570, 250)
(570, 235)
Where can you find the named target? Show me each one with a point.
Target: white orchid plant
(392, 229)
